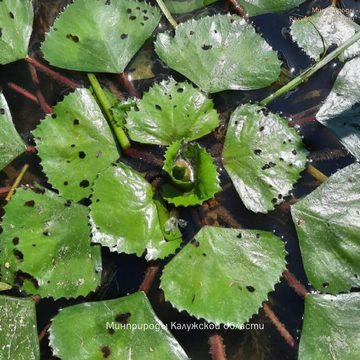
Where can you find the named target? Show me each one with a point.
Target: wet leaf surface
(263, 156)
(229, 273)
(217, 53)
(181, 6)
(99, 36)
(121, 199)
(75, 143)
(11, 145)
(171, 111)
(94, 331)
(193, 173)
(341, 112)
(330, 329)
(45, 246)
(18, 332)
(16, 20)
(316, 33)
(260, 7)
(328, 224)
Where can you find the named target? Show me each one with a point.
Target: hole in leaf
(158, 107)
(73, 38)
(82, 154)
(84, 184)
(16, 241)
(206, 47)
(239, 236)
(257, 151)
(2, 111)
(53, 116)
(105, 351)
(194, 242)
(111, 331)
(11, 15)
(123, 36)
(261, 128)
(18, 254)
(294, 152)
(30, 203)
(325, 285)
(132, 17)
(250, 288)
(66, 183)
(123, 318)
(76, 122)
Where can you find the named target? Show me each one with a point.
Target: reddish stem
(238, 9)
(112, 87)
(302, 121)
(217, 347)
(46, 108)
(150, 274)
(144, 156)
(295, 283)
(31, 149)
(23, 92)
(280, 327)
(128, 85)
(53, 74)
(44, 332)
(4, 190)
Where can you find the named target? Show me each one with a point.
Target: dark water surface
(123, 273)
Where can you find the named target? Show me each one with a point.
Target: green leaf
(120, 109)
(224, 275)
(217, 53)
(18, 332)
(75, 143)
(328, 224)
(16, 19)
(340, 111)
(193, 173)
(11, 145)
(113, 329)
(184, 6)
(45, 246)
(171, 111)
(331, 327)
(260, 7)
(122, 198)
(316, 33)
(99, 35)
(263, 156)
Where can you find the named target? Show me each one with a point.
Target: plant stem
(149, 278)
(217, 347)
(17, 182)
(317, 174)
(106, 106)
(167, 13)
(23, 92)
(295, 283)
(238, 9)
(311, 70)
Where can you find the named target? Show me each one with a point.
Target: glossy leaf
(340, 112)
(263, 156)
(171, 111)
(75, 143)
(193, 174)
(316, 33)
(331, 327)
(122, 198)
(184, 6)
(16, 20)
(99, 36)
(328, 224)
(11, 145)
(113, 329)
(18, 332)
(45, 246)
(260, 7)
(224, 275)
(217, 53)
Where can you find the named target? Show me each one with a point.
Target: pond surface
(123, 273)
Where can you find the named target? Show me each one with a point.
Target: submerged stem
(167, 13)
(17, 182)
(311, 70)
(317, 174)
(106, 106)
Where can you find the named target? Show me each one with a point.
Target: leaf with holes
(263, 156)
(316, 33)
(16, 20)
(193, 174)
(340, 111)
(18, 332)
(75, 143)
(11, 145)
(171, 111)
(328, 225)
(45, 246)
(217, 53)
(99, 36)
(122, 198)
(331, 327)
(259, 7)
(181, 6)
(113, 329)
(229, 274)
